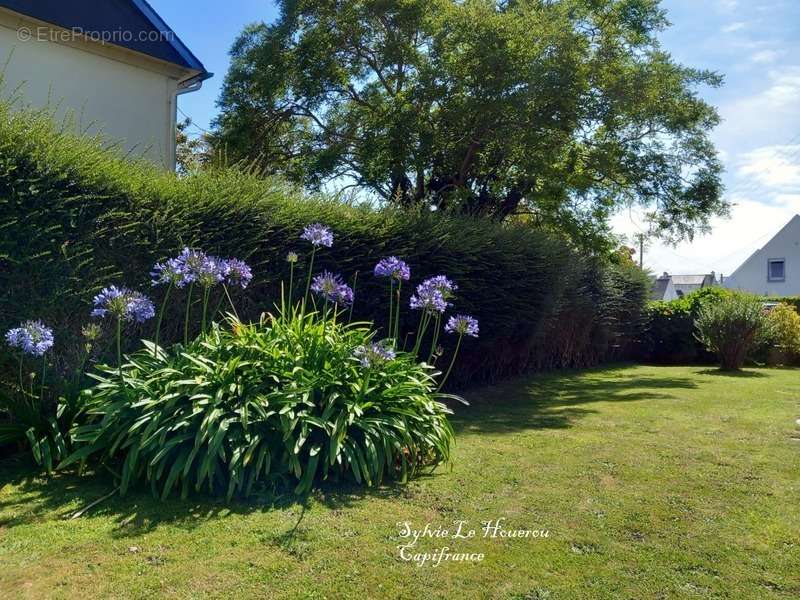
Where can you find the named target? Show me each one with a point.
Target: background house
(773, 270)
(670, 287)
(112, 64)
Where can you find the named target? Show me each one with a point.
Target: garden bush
(785, 334)
(75, 217)
(293, 397)
(733, 327)
(669, 336)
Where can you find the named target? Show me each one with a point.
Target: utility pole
(641, 238)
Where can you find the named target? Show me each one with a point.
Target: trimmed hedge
(74, 217)
(670, 334)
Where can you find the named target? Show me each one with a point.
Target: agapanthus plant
(170, 273)
(124, 305)
(237, 273)
(194, 267)
(31, 337)
(318, 235)
(292, 259)
(35, 339)
(397, 271)
(431, 298)
(332, 289)
(374, 354)
(461, 325)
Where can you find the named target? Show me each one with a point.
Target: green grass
(653, 482)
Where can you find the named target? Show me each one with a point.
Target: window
(776, 269)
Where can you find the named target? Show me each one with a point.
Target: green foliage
(28, 423)
(563, 110)
(75, 218)
(790, 300)
(733, 327)
(284, 399)
(669, 335)
(785, 328)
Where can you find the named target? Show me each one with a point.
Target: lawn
(652, 482)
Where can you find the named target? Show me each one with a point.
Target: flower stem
(353, 303)
(391, 308)
(186, 319)
(452, 362)
(161, 317)
(21, 383)
(396, 335)
(435, 339)
(233, 308)
(206, 293)
(423, 325)
(119, 345)
(44, 368)
(308, 279)
(291, 283)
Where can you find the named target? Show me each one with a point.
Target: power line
(192, 123)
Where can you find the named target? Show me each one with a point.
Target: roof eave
(174, 40)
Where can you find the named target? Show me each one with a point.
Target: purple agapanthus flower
(124, 304)
(374, 354)
(462, 325)
(237, 272)
(168, 272)
(344, 295)
(198, 267)
(32, 337)
(318, 235)
(332, 288)
(429, 299)
(393, 267)
(442, 284)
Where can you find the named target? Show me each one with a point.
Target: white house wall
(752, 275)
(126, 103)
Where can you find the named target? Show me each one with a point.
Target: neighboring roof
(659, 289)
(145, 31)
(689, 279)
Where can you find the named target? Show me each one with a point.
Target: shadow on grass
(735, 374)
(37, 497)
(558, 400)
(546, 401)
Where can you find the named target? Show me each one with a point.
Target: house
(113, 65)
(773, 270)
(670, 287)
(663, 288)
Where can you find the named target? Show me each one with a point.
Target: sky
(755, 44)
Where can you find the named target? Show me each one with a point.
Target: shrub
(669, 335)
(292, 397)
(76, 217)
(733, 327)
(785, 328)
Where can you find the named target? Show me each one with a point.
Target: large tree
(564, 111)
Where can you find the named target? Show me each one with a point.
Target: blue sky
(755, 44)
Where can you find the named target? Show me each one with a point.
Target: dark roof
(659, 288)
(132, 23)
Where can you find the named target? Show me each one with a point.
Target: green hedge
(74, 217)
(670, 334)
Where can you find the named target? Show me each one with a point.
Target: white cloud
(775, 167)
(735, 26)
(766, 56)
(768, 114)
